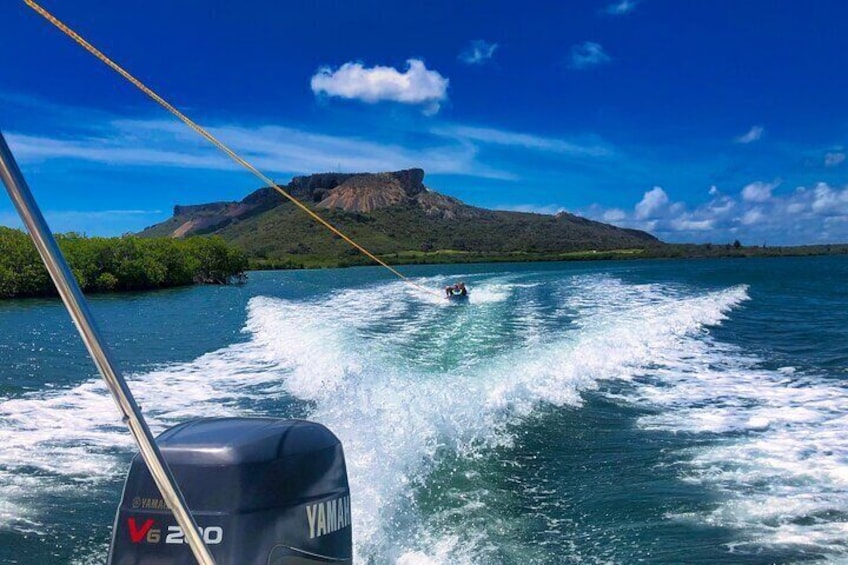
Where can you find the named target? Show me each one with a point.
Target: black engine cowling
(263, 492)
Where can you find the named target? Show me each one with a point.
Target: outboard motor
(263, 492)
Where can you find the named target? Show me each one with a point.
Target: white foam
(781, 463)
(403, 380)
(488, 294)
(394, 417)
(55, 443)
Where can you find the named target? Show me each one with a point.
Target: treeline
(737, 250)
(119, 263)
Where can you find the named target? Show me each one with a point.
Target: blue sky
(697, 121)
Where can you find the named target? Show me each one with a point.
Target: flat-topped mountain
(392, 212)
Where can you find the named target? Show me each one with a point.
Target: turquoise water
(609, 412)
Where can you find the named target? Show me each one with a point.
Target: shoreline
(470, 258)
(450, 257)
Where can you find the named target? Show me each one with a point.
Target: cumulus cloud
(652, 202)
(828, 201)
(588, 54)
(752, 216)
(754, 134)
(478, 52)
(833, 159)
(620, 8)
(758, 191)
(416, 85)
(816, 214)
(686, 223)
(720, 206)
(614, 215)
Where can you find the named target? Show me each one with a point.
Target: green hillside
(391, 214)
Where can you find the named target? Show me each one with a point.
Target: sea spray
(428, 397)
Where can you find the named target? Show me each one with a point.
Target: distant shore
(666, 251)
(105, 265)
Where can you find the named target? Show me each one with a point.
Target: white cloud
(273, 149)
(588, 54)
(416, 85)
(721, 206)
(517, 139)
(818, 214)
(620, 8)
(614, 215)
(794, 208)
(111, 140)
(713, 190)
(478, 52)
(117, 150)
(828, 201)
(758, 191)
(833, 159)
(687, 224)
(652, 202)
(752, 216)
(754, 134)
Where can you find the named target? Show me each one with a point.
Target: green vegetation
(442, 256)
(397, 218)
(118, 264)
(737, 250)
(284, 238)
(446, 256)
(393, 215)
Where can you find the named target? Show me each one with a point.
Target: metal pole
(77, 307)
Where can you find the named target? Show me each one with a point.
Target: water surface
(608, 412)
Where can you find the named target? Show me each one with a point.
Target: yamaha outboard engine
(263, 492)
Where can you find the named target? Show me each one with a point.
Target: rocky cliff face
(366, 193)
(207, 217)
(372, 191)
(351, 192)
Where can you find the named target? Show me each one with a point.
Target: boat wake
(410, 386)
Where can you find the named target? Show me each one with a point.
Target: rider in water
(457, 289)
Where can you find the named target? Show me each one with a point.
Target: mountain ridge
(386, 212)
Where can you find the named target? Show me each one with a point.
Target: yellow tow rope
(212, 139)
